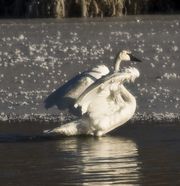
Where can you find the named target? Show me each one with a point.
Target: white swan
(105, 105)
(66, 96)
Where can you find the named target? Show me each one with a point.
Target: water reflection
(102, 161)
(148, 155)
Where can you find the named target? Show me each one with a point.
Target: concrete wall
(38, 56)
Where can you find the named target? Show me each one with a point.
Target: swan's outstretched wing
(106, 90)
(65, 96)
(86, 80)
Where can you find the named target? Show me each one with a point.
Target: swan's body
(109, 104)
(104, 101)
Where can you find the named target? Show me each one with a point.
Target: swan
(105, 105)
(66, 96)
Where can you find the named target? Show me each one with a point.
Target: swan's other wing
(65, 96)
(56, 97)
(86, 80)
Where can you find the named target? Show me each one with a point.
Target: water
(71, 161)
(141, 155)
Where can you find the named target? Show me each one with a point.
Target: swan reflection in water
(102, 161)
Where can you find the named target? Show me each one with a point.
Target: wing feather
(106, 89)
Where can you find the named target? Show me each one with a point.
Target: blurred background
(85, 8)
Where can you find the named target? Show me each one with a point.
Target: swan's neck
(117, 64)
(127, 96)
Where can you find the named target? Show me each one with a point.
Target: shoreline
(156, 118)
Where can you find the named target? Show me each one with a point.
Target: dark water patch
(73, 161)
(113, 159)
(138, 131)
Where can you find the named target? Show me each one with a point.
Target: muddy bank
(37, 57)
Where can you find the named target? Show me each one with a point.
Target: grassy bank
(84, 8)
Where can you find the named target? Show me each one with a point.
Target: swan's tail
(77, 127)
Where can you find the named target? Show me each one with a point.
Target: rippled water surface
(130, 157)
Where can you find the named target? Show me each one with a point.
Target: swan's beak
(132, 58)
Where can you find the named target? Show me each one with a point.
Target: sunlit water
(132, 156)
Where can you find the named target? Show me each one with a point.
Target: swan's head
(126, 55)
